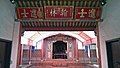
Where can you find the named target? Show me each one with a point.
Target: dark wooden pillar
(19, 55)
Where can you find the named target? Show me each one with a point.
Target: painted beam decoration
(30, 13)
(58, 12)
(87, 13)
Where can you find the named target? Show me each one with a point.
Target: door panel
(59, 50)
(113, 53)
(5, 52)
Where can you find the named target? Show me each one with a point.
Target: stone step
(60, 64)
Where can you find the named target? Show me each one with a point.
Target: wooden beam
(58, 28)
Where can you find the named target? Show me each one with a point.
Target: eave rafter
(41, 3)
(59, 25)
(84, 36)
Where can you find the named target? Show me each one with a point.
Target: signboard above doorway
(30, 13)
(58, 12)
(86, 13)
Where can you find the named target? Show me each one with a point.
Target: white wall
(110, 27)
(9, 29)
(6, 19)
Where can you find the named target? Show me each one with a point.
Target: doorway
(5, 53)
(59, 50)
(113, 48)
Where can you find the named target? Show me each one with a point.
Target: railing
(36, 62)
(32, 60)
(88, 60)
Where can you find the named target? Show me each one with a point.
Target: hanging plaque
(87, 13)
(58, 12)
(30, 13)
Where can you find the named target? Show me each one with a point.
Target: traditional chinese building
(60, 49)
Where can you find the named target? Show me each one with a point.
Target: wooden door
(113, 53)
(5, 53)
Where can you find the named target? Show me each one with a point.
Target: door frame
(22, 29)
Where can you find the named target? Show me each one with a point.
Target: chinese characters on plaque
(58, 12)
(30, 13)
(87, 13)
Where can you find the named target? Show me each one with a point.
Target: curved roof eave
(64, 33)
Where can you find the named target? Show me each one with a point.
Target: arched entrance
(59, 50)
